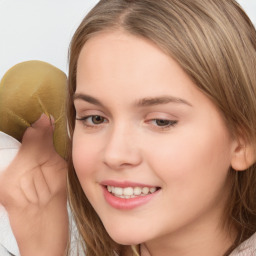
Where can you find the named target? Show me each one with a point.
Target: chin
(126, 238)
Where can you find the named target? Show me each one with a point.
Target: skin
(188, 158)
(33, 191)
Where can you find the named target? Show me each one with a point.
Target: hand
(33, 191)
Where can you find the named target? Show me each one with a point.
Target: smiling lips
(130, 192)
(124, 197)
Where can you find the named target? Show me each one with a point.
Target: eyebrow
(87, 98)
(145, 102)
(161, 100)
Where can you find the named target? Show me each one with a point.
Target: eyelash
(170, 123)
(84, 120)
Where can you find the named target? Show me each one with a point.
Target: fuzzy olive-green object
(26, 91)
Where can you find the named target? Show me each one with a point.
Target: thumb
(39, 136)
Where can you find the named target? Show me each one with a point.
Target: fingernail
(43, 115)
(52, 118)
(52, 121)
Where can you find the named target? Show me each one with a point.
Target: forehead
(118, 58)
(119, 69)
(116, 47)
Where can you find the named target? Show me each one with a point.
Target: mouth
(131, 192)
(127, 196)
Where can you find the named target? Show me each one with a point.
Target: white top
(8, 150)
(247, 248)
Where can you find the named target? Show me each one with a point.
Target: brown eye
(162, 122)
(93, 120)
(97, 119)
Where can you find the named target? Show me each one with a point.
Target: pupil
(97, 119)
(162, 122)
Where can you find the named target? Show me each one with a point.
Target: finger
(41, 128)
(10, 192)
(42, 187)
(38, 138)
(56, 175)
(28, 189)
(43, 122)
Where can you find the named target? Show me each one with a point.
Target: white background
(42, 29)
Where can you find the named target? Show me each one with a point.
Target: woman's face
(150, 150)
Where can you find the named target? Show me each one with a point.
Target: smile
(130, 192)
(127, 195)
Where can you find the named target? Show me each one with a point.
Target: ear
(243, 155)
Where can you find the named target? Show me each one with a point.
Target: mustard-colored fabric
(26, 91)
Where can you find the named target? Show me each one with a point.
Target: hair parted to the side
(215, 43)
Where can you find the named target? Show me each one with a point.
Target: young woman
(162, 119)
(162, 115)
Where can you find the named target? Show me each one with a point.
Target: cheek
(84, 156)
(194, 174)
(189, 160)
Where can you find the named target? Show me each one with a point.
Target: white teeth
(145, 190)
(137, 191)
(152, 190)
(130, 192)
(118, 191)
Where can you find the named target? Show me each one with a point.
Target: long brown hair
(215, 43)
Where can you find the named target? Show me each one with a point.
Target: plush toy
(26, 91)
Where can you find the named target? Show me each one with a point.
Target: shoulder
(247, 248)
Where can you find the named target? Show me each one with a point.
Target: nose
(122, 150)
